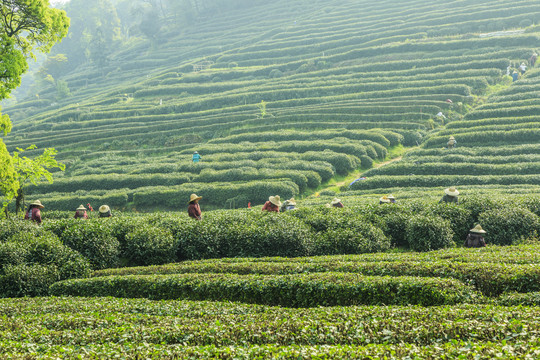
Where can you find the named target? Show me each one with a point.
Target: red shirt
(268, 206)
(194, 211)
(36, 215)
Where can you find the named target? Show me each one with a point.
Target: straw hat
(81, 207)
(335, 201)
(478, 230)
(104, 209)
(384, 199)
(452, 138)
(391, 197)
(38, 204)
(291, 202)
(452, 191)
(195, 152)
(275, 200)
(194, 197)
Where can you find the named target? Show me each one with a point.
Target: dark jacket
(449, 199)
(474, 241)
(194, 211)
(105, 215)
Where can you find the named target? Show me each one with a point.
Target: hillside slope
(290, 94)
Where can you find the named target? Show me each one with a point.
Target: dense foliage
(135, 328)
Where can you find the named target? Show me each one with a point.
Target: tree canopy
(25, 26)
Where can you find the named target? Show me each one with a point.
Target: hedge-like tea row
(107, 321)
(456, 168)
(491, 138)
(134, 351)
(323, 289)
(491, 279)
(386, 140)
(110, 182)
(443, 181)
(218, 194)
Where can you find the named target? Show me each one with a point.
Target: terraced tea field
(311, 91)
(452, 319)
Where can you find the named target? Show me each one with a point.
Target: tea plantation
(245, 284)
(317, 89)
(297, 98)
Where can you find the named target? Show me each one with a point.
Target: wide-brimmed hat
(335, 201)
(194, 197)
(195, 152)
(276, 200)
(291, 202)
(104, 209)
(452, 191)
(81, 207)
(391, 197)
(452, 138)
(384, 199)
(478, 230)
(38, 204)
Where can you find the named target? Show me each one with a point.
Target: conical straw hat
(38, 204)
(194, 197)
(478, 230)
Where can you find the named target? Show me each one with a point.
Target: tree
(150, 24)
(8, 176)
(33, 170)
(32, 24)
(25, 26)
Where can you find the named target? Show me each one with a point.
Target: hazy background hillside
(283, 98)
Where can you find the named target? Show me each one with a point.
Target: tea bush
(363, 238)
(94, 240)
(460, 218)
(426, 233)
(30, 263)
(241, 233)
(149, 246)
(508, 225)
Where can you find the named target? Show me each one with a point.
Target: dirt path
(357, 175)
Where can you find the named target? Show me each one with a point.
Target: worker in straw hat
(337, 203)
(533, 58)
(475, 238)
(34, 212)
(194, 209)
(273, 204)
(196, 157)
(451, 142)
(391, 198)
(104, 211)
(288, 205)
(80, 213)
(384, 200)
(450, 196)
